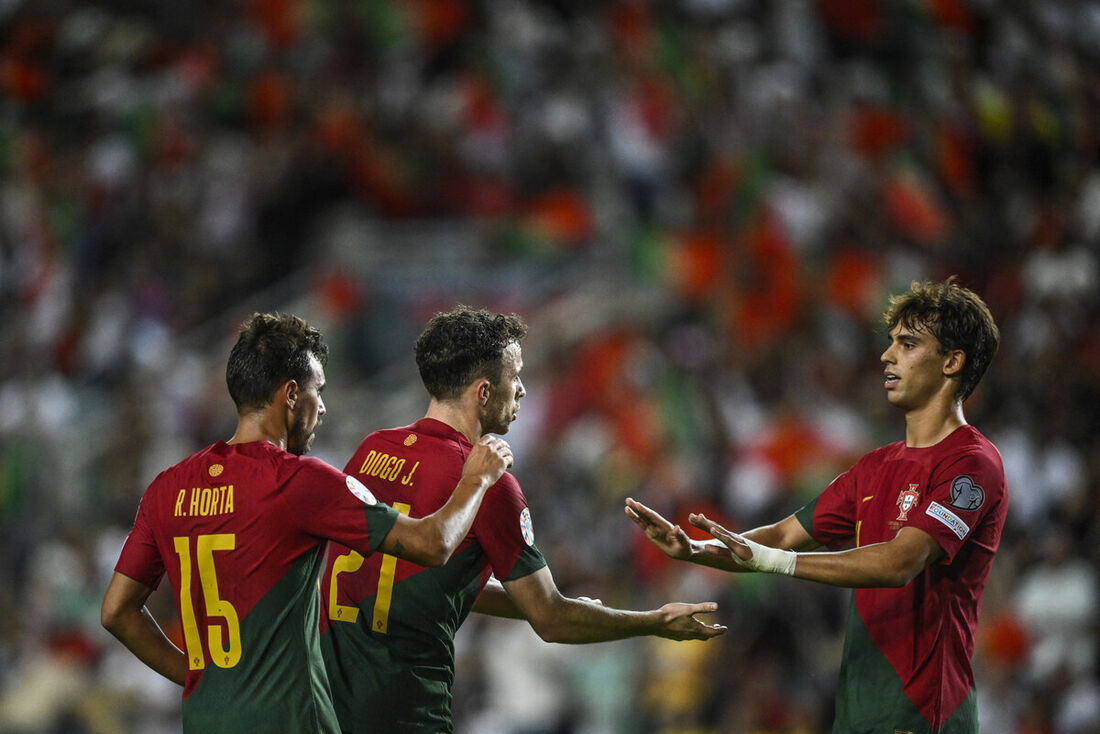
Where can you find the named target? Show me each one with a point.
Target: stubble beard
(300, 438)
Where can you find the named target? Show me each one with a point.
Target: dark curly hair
(957, 317)
(271, 349)
(463, 345)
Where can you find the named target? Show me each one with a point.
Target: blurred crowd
(700, 206)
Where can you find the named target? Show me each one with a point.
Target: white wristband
(770, 560)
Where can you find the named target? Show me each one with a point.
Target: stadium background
(699, 206)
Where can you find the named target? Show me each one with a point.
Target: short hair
(272, 348)
(957, 317)
(463, 345)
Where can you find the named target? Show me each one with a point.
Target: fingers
(690, 628)
(499, 447)
(707, 631)
(644, 516)
(702, 607)
(704, 523)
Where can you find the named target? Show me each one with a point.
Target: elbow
(110, 616)
(549, 621)
(436, 551)
(436, 556)
(899, 577)
(422, 543)
(547, 630)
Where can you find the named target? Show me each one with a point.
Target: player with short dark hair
(388, 635)
(239, 528)
(913, 527)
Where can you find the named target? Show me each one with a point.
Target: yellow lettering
(407, 479)
(179, 503)
(395, 469)
(367, 461)
(378, 464)
(194, 502)
(204, 503)
(384, 466)
(229, 499)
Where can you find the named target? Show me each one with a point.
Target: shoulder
(974, 449)
(505, 493)
(877, 456)
(508, 483)
(312, 466)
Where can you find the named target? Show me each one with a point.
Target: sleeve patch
(948, 518)
(525, 526)
(966, 494)
(356, 487)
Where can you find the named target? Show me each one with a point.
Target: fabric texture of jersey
(239, 530)
(906, 664)
(388, 625)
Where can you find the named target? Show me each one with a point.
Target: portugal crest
(907, 500)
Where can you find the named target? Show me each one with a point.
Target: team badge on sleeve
(948, 518)
(359, 490)
(525, 526)
(965, 494)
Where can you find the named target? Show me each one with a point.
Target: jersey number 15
(223, 657)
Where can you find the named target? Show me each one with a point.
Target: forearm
(140, 633)
(430, 540)
(455, 518)
(871, 566)
(576, 621)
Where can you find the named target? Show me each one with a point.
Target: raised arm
(556, 618)
(430, 540)
(124, 615)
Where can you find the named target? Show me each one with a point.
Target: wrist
(476, 482)
(772, 560)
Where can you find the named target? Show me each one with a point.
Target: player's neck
(260, 427)
(458, 416)
(929, 425)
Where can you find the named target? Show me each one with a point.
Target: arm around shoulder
(430, 540)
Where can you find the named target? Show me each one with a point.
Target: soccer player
(388, 639)
(913, 527)
(239, 529)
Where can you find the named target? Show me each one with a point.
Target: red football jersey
(908, 650)
(390, 624)
(239, 531)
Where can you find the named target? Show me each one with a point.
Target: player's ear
(483, 387)
(953, 362)
(288, 393)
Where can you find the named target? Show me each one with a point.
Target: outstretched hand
(748, 553)
(737, 545)
(678, 622)
(671, 539)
